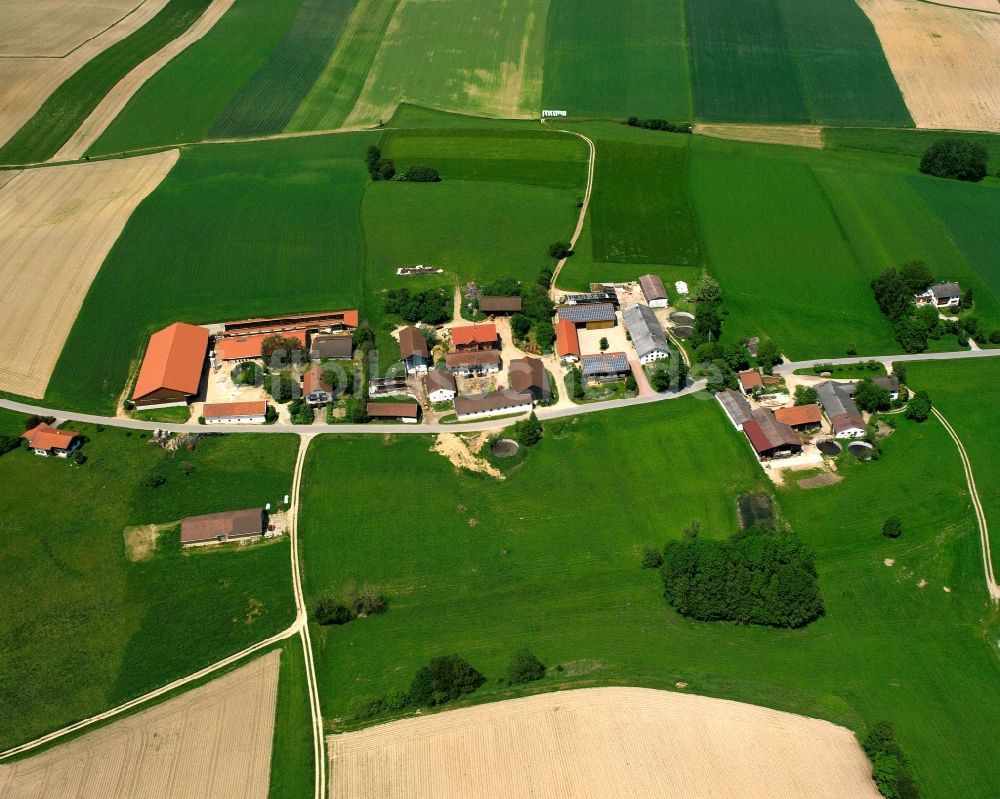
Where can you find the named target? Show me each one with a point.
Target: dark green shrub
(651, 558)
(444, 679)
(524, 667)
(892, 527)
(329, 611)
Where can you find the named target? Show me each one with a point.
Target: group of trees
(420, 174)
(537, 307)
(913, 327)
(955, 158)
(806, 395)
(356, 604)
(755, 578)
(449, 677)
(871, 397)
(560, 250)
(278, 350)
(528, 432)
(10, 443)
(890, 767)
(378, 167)
(659, 124)
(431, 306)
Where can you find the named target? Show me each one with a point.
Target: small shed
(408, 412)
(235, 412)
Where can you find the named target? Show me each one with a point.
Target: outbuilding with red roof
(567, 341)
(475, 337)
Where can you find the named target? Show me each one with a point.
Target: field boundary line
(959, 8)
(984, 530)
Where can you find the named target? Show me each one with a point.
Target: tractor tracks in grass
(977, 505)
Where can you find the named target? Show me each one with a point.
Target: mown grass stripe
(268, 100)
(69, 105)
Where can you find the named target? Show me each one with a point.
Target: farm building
(235, 412)
(331, 347)
(769, 437)
(472, 338)
(654, 291)
(413, 349)
(171, 371)
(500, 305)
(226, 526)
(49, 442)
(324, 321)
(605, 367)
(598, 297)
(593, 316)
(468, 364)
(496, 404)
(528, 376)
(441, 386)
(848, 425)
(736, 407)
(408, 412)
(648, 338)
(567, 341)
(316, 389)
(750, 380)
(800, 417)
(248, 348)
(941, 295)
(889, 382)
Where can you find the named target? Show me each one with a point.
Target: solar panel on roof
(587, 313)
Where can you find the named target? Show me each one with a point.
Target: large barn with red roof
(171, 370)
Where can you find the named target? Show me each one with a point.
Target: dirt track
(796, 135)
(946, 62)
(115, 100)
(214, 741)
(602, 743)
(56, 227)
(25, 83)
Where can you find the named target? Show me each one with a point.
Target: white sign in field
(552, 113)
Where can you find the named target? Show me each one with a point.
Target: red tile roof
(217, 410)
(799, 414)
(174, 360)
(44, 437)
(313, 381)
(567, 339)
(474, 334)
(235, 347)
(750, 380)
(760, 441)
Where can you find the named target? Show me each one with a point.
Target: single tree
(524, 667)
(603, 344)
(708, 289)
(919, 407)
(528, 432)
(329, 611)
(630, 382)
(651, 558)
(892, 527)
(915, 276)
(871, 397)
(805, 395)
(768, 354)
(520, 326)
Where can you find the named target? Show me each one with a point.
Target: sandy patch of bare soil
(820, 480)
(464, 453)
(115, 100)
(214, 741)
(945, 60)
(25, 83)
(602, 743)
(140, 541)
(796, 135)
(56, 227)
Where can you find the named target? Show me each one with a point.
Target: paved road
(789, 367)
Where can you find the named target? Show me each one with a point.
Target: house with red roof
(475, 337)
(49, 442)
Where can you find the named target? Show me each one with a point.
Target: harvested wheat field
(973, 5)
(602, 742)
(214, 741)
(38, 54)
(116, 99)
(796, 135)
(946, 62)
(56, 226)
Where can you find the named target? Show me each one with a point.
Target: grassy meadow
(617, 59)
(265, 103)
(82, 628)
(957, 389)
(292, 748)
(234, 231)
(181, 101)
(488, 566)
(69, 105)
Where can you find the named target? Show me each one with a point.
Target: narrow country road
(553, 292)
(790, 366)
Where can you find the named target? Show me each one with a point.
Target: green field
(617, 59)
(180, 102)
(776, 61)
(233, 231)
(266, 103)
(81, 627)
(484, 59)
(773, 241)
(292, 749)
(69, 105)
(530, 156)
(554, 573)
(338, 87)
(956, 388)
(905, 142)
(640, 209)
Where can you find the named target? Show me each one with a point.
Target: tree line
(381, 168)
(659, 124)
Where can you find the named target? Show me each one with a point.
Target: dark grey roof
(735, 406)
(528, 376)
(835, 398)
(652, 288)
(890, 382)
(645, 330)
(588, 312)
(943, 291)
(605, 363)
(331, 347)
(438, 379)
